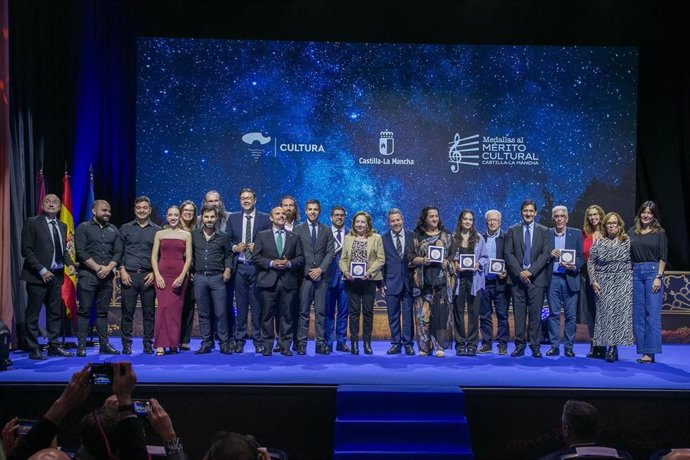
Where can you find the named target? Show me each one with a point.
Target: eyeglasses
(612, 224)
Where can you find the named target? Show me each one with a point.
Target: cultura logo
(256, 142)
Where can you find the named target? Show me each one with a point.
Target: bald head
(51, 205)
(49, 454)
(101, 211)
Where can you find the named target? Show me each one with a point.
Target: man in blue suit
(337, 295)
(317, 244)
(279, 258)
(242, 228)
(564, 282)
(528, 253)
(397, 285)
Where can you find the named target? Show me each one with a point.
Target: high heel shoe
(160, 351)
(354, 347)
(646, 359)
(367, 348)
(612, 354)
(592, 353)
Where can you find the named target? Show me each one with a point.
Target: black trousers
(276, 303)
(465, 301)
(527, 304)
(49, 294)
(138, 289)
(92, 288)
(361, 296)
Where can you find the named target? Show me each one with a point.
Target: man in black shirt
(99, 250)
(136, 275)
(212, 269)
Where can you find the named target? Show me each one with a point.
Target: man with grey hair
(564, 281)
(213, 199)
(496, 295)
(397, 284)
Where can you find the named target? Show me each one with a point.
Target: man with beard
(99, 250)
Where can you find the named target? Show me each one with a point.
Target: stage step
(382, 422)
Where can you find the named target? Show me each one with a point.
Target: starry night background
(575, 108)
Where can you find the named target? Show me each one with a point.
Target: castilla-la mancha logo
(386, 143)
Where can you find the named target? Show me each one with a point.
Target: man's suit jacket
(37, 248)
(376, 258)
(396, 272)
(573, 240)
(322, 254)
(540, 255)
(265, 251)
(500, 254)
(335, 274)
(261, 222)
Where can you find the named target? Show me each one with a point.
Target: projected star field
(376, 126)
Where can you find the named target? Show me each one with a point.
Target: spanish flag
(69, 284)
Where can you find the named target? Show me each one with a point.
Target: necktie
(279, 243)
(248, 235)
(313, 235)
(57, 246)
(398, 245)
(526, 259)
(338, 237)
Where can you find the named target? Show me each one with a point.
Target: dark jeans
(210, 293)
(336, 314)
(90, 288)
(129, 304)
(361, 295)
(496, 300)
(464, 300)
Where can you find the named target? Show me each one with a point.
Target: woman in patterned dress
(362, 244)
(433, 284)
(610, 274)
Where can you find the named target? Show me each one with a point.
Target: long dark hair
(474, 236)
(656, 222)
(421, 222)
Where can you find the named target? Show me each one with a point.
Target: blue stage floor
(671, 372)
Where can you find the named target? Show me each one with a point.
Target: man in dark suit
(44, 243)
(318, 246)
(496, 295)
(527, 254)
(279, 259)
(579, 424)
(99, 251)
(564, 283)
(243, 226)
(397, 285)
(336, 299)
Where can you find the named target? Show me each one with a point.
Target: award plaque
(435, 253)
(358, 269)
(567, 256)
(467, 261)
(497, 266)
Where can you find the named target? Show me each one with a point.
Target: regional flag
(69, 283)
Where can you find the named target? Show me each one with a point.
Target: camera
(141, 406)
(102, 374)
(24, 426)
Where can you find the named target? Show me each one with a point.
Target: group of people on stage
(441, 286)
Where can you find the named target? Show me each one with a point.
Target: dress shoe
(108, 349)
(502, 349)
(239, 347)
(295, 346)
(148, 348)
(485, 348)
(36, 354)
(173, 351)
(519, 351)
(394, 349)
(460, 351)
(342, 347)
(536, 352)
(126, 348)
(183, 347)
(553, 351)
(612, 354)
(267, 352)
(286, 352)
(59, 351)
(409, 350)
(227, 348)
(354, 348)
(302, 349)
(471, 351)
(323, 349)
(367, 348)
(258, 348)
(81, 350)
(203, 350)
(276, 349)
(569, 353)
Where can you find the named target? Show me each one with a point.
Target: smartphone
(141, 407)
(24, 425)
(101, 374)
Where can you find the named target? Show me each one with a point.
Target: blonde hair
(622, 235)
(587, 227)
